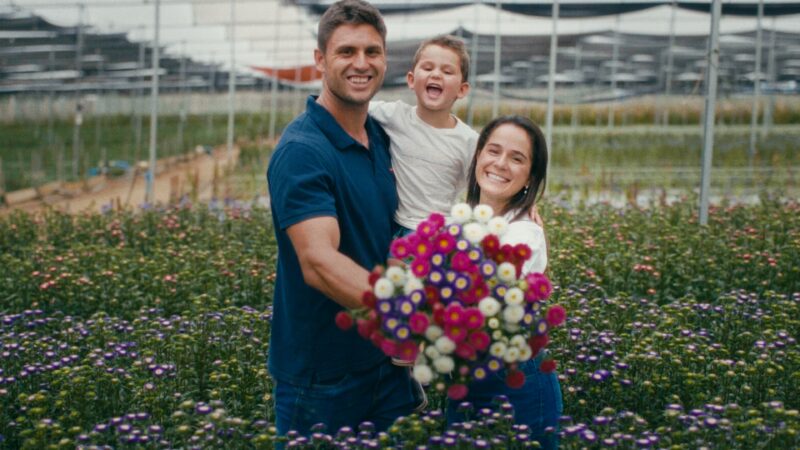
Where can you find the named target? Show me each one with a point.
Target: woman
(508, 173)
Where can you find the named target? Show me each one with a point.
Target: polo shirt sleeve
(300, 186)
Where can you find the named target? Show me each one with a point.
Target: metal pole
(551, 80)
(710, 109)
(670, 64)
(497, 45)
(76, 132)
(751, 154)
(182, 89)
(574, 114)
(139, 108)
(771, 76)
(614, 61)
(212, 81)
(232, 80)
(273, 95)
(151, 166)
(473, 66)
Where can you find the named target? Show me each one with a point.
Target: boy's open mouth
(433, 90)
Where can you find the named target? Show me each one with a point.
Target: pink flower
(480, 340)
(420, 267)
(444, 243)
(548, 365)
(454, 314)
(473, 318)
(407, 351)
(457, 391)
(418, 322)
(461, 262)
(343, 320)
(539, 287)
(556, 315)
(400, 248)
(522, 252)
(515, 379)
(437, 220)
(426, 229)
(537, 343)
(389, 347)
(465, 351)
(456, 333)
(366, 327)
(422, 249)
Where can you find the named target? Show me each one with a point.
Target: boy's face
(437, 80)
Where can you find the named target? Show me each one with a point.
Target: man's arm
(316, 242)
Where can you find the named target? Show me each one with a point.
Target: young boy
(431, 148)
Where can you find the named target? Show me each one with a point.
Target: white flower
(422, 373)
(482, 213)
(474, 232)
(432, 353)
(413, 284)
(506, 272)
(461, 212)
(525, 353)
(433, 332)
(512, 327)
(384, 288)
(396, 275)
(512, 314)
(497, 226)
(512, 355)
(489, 307)
(444, 364)
(497, 334)
(514, 296)
(445, 345)
(493, 323)
(518, 341)
(498, 349)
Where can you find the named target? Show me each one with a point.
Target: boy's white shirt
(430, 164)
(526, 231)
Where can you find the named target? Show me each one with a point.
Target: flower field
(149, 329)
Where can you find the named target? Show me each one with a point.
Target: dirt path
(199, 177)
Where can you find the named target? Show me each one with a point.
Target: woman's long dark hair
(523, 200)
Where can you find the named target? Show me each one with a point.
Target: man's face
(353, 64)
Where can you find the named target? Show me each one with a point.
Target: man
(333, 197)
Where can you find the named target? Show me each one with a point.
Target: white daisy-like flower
(384, 288)
(432, 353)
(433, 332)
(489, 306)
(474, 232)
(518, 341)
(512, 327)
(525, 353)
(461, 212)
(512, 355)
(493, 323)
(514, 296)
(412, 284)
(498, 349)
(422, 373)
(444, 364)
(506, 272)
(445, 345)
(497, 334)
(512, 314)
(396, 275)
(482, 213)
(497, 226)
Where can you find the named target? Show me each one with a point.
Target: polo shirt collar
(331, 128)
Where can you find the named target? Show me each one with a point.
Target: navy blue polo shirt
(318, 170)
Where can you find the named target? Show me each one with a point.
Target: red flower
(437, 220)
(407, 351)
(431, 295)
(480, 340)
(438, 314)
(369, 299)
(556, 315)
(366, 327)
(490, 244)
(515, 379)
(343, 320)
(539, 287)
(373, 277)
(389, 347)
(418, 322)
(461, 261)
(457, 391)
(377, 338)
(455, 332)
(537, 343)
(465, 351)
(473, 318)
(548, 365)
(522, 252)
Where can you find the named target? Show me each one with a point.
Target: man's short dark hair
(348, 12)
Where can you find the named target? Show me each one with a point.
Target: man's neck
(436, 119)
(350, 117)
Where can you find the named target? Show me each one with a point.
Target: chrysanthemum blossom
(522, 252)
(539, 287)
(517, 340)
(482, 213)
(497, 226)
(548, 366)
(506, 272)
(397, 275)
(489, 306)
(420, 267)
(444, 243)
(389, 347)
(473, 318)
(407, 351)
(514, 296)
(444, 364)
(490, 244)
(426, 229)
(474, 232)
(480, 340)
(384, 288)
(515, 379)
(422, 249)
(431, 352)
(418, 322)
(454, 314)
(461, 212)
(512, 355)
(457, 391)
(460, 262)
(445, 345)
(422, 373)
(556, 315)
(512, 314)
(433, 332)
(412, 284)
(465, 350)
(366, 327)
(498, 349)
(525, 353)
(400, 248)
(343, 320)
(437, 220)
(538, 342)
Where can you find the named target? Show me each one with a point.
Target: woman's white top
(526, 231)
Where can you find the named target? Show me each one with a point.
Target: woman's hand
(533, 213)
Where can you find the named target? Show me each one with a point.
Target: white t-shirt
(430, 164)
(525, 231)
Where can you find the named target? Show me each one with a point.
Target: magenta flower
(473, 319)
(422, 249)
(426, 229)
(388, 347)
(454, 314)
(465, 351)
(445, 243)
(461, 261)
(539, 287)
(420, 267)
(556, 315)
(418, 322)
(480, 340)
(400, 248)
(457, 391)
(437, 220)
(407, 351)
(456, 333)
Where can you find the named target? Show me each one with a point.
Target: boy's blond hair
(450, 42)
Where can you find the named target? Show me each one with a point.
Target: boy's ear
(463, 90)
(410, 80)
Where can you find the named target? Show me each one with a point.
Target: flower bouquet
(460, 309)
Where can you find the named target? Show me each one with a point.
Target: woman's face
(504, 164)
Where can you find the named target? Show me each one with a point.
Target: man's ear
(410, 80)
(319, 60)
(463, 90)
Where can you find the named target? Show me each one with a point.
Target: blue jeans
(537, 403)
(379, 395)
